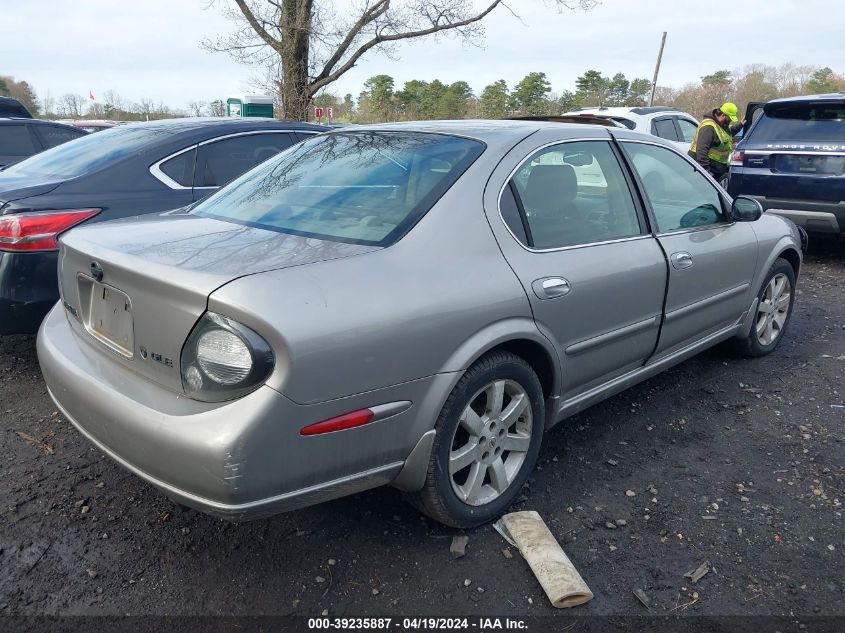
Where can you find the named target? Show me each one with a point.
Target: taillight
(737, 158)
(38, 231)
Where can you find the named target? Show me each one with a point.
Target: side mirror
(746, 209)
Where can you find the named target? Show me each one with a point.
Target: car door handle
(551, 287)
(681, 260)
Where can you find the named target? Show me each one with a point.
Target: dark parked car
(13, 107)
(20, 138)
(792, 160)
(125, 171)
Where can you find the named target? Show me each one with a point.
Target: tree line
(381, 100)
(112, 106)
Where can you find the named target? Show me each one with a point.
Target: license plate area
(107, 315)
(809, 164)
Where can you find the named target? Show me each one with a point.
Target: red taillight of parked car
(737, 157)
(339, 423)
(38, 231)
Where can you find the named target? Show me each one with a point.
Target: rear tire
(487, 440)
(774, 310)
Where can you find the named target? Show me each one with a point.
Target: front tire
(487, 440)
(774, 310)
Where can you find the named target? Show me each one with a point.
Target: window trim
(670, 119)
(156, 171)
(724, 197)
(643, 221)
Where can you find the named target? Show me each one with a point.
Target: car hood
(15, 186)
(167, 265)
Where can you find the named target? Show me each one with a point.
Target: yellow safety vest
(719, 153)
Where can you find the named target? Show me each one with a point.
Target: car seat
(549, 200)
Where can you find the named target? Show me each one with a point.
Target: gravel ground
(738, 463)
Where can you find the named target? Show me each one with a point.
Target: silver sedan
(409, 304)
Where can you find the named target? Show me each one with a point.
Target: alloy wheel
(773, 309)
(491, 442)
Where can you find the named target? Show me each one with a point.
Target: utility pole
(657, 69)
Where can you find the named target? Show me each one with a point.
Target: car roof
(625, 110)
(583, 118)
(188, 124)
(829, 97)
(499, 132)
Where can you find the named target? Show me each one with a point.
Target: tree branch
(329, 75)
(257, 26)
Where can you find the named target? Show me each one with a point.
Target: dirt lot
(737, 462)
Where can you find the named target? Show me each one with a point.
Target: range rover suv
(792, 160)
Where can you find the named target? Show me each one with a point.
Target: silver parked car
(409, 304)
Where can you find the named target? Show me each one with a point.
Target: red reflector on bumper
(339, 423)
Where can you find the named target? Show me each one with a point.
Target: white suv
(669, 123)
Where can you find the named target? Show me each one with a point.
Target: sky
(151, 49)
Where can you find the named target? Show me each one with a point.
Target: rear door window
(572, 193)
(15, 140)
(220, 161)
(52, 135)
(664, 128)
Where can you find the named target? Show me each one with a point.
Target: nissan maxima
(410, 304)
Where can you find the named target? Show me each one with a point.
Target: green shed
(250, 105)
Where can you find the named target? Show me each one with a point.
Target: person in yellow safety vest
(712, 144)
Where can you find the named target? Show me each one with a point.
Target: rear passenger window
(665, 128)
(15, 140)
(221, 161)
(573, 193)
(681, 197)
(52, 135)
(180, 168)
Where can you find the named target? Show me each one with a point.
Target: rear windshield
(357, 187)
(804, 122)
(90, 152)
(628, 123)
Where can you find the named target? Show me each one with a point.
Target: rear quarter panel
(775, 235)
(423, 306)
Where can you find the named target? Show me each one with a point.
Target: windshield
(89, 153)
(357, 187)
(806, 122)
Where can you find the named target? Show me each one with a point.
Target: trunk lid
(136, 287)
(15, 186)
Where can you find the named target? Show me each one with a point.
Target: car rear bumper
(815, 217)
(240, 459)
(29, 287)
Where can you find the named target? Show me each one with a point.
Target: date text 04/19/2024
(417, 624)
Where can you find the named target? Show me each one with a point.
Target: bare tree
(217, 108)
(48, 105)
(197, 108)
(113, 107)
(71, 106)
(312, 43)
